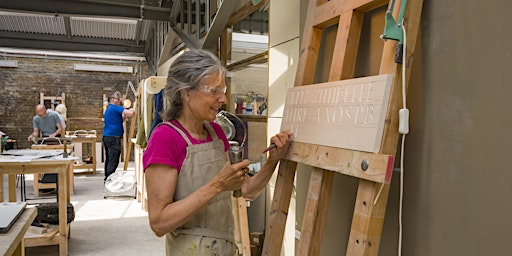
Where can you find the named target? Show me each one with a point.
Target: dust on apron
(210, 230)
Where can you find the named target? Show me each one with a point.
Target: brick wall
(21, 87)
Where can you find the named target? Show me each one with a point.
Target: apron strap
(179, 131)
(210, 129)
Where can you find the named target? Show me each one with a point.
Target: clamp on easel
(126, 102)
(393, 29)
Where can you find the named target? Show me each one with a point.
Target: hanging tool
(393, 29)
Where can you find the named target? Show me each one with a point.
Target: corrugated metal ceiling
(110, 28)
(122, 26)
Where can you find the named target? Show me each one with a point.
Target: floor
(113, 226)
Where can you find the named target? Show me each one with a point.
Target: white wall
(284, 31)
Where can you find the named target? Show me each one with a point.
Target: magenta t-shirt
(167, 146)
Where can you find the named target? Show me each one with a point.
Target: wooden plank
(132, 130)
(412, 16)
(348, 162)
(346, 46)
(279, 210)
(368, 218)
(346, 114)
(255, 59)
(308, 53)
(244, 226)
(236, 219)
(315, 213)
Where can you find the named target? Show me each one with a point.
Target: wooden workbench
(11, 243)
(13, 165)
(37, 184)
(91, 139)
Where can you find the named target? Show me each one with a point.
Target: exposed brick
(84, 90)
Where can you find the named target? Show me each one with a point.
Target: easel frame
(368, 216)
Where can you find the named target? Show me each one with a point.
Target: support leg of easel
(237, 233)
(368, 218)
(315, 213)
(244, 226)
(279, 210)
(132, 131)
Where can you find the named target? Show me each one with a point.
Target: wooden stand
(43, 99)
(11, 166)
(372, 194)
(85, 137)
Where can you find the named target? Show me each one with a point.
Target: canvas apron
(210, 231)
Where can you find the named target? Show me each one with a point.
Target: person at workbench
(48, 124)
(45, 122)
(113, 132)
(189, 178)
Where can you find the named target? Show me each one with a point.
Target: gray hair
(115, 95)
(186, 74)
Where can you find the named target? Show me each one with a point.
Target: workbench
(15, 164)
(11, 243)
(37, 184)
(85, 139)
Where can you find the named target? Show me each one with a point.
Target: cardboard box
(255, 250)
(257, 238)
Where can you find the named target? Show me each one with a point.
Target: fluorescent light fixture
(103, 68)
(9, 63)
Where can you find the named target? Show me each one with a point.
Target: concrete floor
(113, 226)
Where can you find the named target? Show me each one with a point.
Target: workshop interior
(397, 109)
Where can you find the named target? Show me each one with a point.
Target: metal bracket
(393, 28)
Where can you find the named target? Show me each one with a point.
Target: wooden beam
(245, 11)
(345, 161)
(132, 129)
(344, 61)
(279, 209)
(255, 59)
(368, 218)
(315, 213)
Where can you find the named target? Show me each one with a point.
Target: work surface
(10, 242)
(40, 161)
(29, 155)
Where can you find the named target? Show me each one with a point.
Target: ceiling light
(9, 63)
(103, 68)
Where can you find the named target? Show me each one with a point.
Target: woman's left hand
(282, 141)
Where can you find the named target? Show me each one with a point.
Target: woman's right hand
(232, 176)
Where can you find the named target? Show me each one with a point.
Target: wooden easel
(368, 216)
(133, 123)
(61, 99)
(51, 99)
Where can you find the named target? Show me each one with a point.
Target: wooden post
(133, 123)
